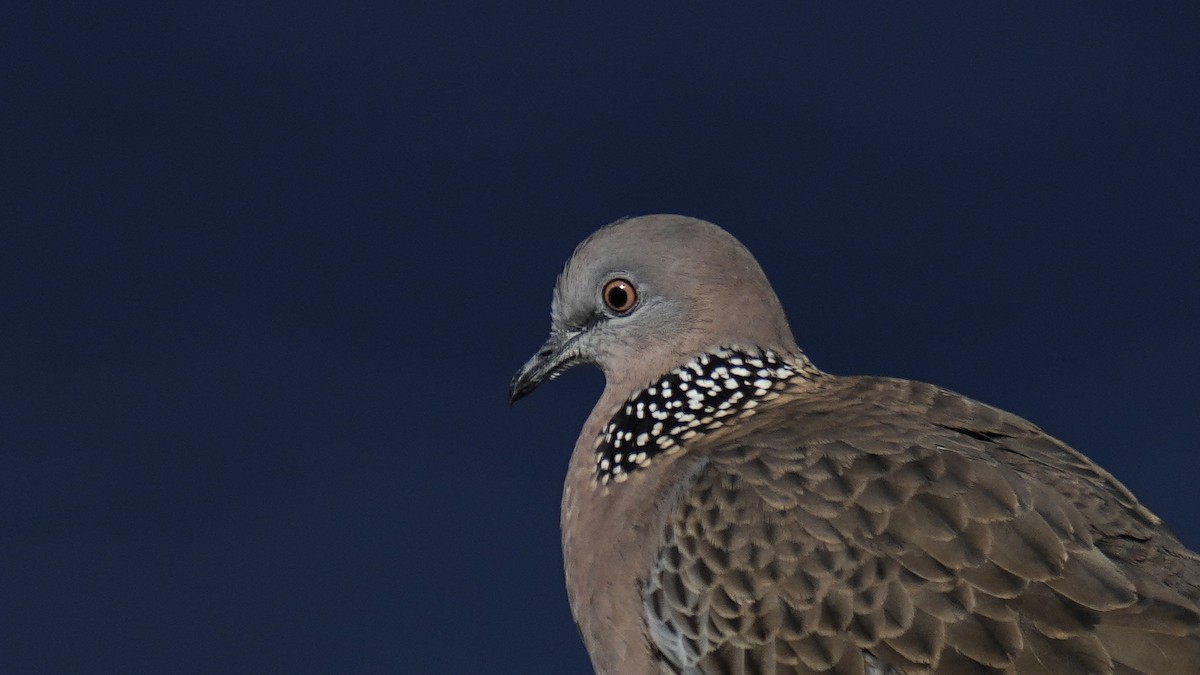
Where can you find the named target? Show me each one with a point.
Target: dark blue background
(266, 272)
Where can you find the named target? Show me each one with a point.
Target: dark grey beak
(556, 356)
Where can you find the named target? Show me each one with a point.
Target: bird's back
(868, 524)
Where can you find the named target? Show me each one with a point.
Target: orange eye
(619, 295)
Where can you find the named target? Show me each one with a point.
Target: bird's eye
(619, 295)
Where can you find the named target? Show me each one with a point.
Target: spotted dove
(730, 508)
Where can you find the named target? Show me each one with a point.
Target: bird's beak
(556, 356)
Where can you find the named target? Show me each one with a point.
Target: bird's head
(642, 295)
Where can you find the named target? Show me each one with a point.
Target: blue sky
(267, 271)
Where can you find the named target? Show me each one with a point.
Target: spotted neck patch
(689, 400)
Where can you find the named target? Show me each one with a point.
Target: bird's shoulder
(841, 429)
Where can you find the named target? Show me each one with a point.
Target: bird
(730, 508)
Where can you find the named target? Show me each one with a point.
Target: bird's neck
(597, 504)
(706, 392)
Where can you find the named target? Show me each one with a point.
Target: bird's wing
(911, 537)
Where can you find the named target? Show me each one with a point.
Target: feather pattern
(877, 525)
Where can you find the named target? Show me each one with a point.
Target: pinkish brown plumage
(729, 508)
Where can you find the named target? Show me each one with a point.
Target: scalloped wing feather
(894, 527)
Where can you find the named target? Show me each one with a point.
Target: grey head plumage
(694, 285)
